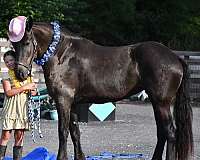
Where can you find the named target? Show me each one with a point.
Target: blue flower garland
(52, 47)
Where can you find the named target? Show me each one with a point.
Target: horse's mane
(64, 30)
(70, 35)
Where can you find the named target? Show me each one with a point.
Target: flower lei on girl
(15, 81)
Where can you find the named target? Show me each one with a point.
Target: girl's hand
(33, 92)
(29, 86)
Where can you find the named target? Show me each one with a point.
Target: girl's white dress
(15, 111)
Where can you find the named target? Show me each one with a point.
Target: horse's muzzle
(21, 73)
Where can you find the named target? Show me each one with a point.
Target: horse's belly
(110, 91)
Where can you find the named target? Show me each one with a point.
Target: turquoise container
(53, 115)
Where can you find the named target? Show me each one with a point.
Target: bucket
(53, 114)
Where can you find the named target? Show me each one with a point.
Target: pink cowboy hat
(17, 28)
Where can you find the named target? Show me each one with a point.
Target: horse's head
(24, 43)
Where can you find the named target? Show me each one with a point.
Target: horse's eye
(26, 43)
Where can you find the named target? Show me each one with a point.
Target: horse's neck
(43, 36)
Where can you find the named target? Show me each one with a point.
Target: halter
(29, 67)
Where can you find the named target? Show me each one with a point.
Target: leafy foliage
(116, 22)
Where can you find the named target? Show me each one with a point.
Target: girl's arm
(33, 92)
(14, 91)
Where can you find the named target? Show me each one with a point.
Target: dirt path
(133, 131)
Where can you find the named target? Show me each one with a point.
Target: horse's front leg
(75, 134)
(63, 104)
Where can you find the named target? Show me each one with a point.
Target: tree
(38, 9)
(116, 22)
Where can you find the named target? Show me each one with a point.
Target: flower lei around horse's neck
(52, 47)
(14, 79)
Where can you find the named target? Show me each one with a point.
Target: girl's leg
(5, 136)
(18, 147)
(19, 136)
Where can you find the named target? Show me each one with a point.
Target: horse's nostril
(20, 75)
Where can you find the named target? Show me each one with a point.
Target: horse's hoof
(80, 157)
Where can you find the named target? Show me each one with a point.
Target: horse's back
(156, 51)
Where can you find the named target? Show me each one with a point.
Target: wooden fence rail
(193, 61)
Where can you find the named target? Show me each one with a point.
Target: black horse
(80, 71)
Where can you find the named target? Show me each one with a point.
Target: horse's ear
(29, 23)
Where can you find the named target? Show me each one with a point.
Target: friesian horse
(76, 70)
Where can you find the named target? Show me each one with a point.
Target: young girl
(14, 114)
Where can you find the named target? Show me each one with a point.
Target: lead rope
(38, 115)
(34, 115)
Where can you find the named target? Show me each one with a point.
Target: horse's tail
(183, 118)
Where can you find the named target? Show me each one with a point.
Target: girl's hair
(9, 53)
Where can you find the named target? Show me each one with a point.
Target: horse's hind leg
(165, 130)
(75, 135)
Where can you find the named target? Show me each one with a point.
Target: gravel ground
(133, 131)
